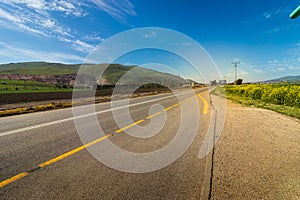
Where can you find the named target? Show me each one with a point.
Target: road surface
(42, 156)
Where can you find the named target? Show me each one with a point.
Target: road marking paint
(130, 125)
(65, 155)
(83, 116)
(168, 108)
(175, 105)
(155, 114)
(205, 104)
(12, 179)
(78, 149)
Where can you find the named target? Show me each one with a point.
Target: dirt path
(257, 156)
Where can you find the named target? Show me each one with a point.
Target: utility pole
(235, 63)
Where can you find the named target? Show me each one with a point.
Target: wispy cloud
(117, 9)
(280, 69)
(283, 65)
(271, 20)
(36, 17)
(93, 37)
(83, 46)
(18, 53)
(258, 70)
(267, 15)
(30, 17)
(68, 7)
(273, 61)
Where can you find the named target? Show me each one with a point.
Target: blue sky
(258, 33)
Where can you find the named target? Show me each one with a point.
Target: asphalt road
(28, 141)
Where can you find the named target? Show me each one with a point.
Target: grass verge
(49, 106)
(287, 110)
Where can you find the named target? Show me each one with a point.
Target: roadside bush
(286, 94)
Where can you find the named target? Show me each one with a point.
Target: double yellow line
(78, 149)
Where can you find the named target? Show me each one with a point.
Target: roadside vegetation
(38, 68)
(19, 86)
(49, 106)
(282, 98)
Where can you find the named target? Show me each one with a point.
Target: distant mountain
(66, 73)
(288, 79)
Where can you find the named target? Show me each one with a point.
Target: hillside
(38, 68)
(289, 79)
(48, 72)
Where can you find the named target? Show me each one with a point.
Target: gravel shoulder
(257, 156)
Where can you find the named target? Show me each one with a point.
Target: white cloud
(292, 57)
(18, 18)
(37, 4)
(18, 23)
(83, 46)
(68, 7)
(242, 72)
(18, 53)
(5, 15)
(35, 17)
(274, 13)
(267, 15)
(48, 23)
(293, 67)
(117, 9)
(63, 39)
(273, 61)
(78, 45)
(280, 69)
(258, 70)
(93, 37)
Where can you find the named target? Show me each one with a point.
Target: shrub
(288, 95)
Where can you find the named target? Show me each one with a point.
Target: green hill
(38, 68)
(112, 74)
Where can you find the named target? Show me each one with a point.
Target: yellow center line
(78, 149)
(151, 116)
(177, 104)
(168, 108)
(130, 125)
(65, 155)
(205, 104)
(12, 179)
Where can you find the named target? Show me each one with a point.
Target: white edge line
(82, 116)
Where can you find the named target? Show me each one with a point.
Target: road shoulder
(257, 156)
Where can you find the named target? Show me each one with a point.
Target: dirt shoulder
(257, 156)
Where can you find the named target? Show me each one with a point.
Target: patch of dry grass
(49, 106)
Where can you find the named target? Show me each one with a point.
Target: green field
(283, 98)
(17, 86)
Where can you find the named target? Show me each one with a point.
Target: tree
(238, 82)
